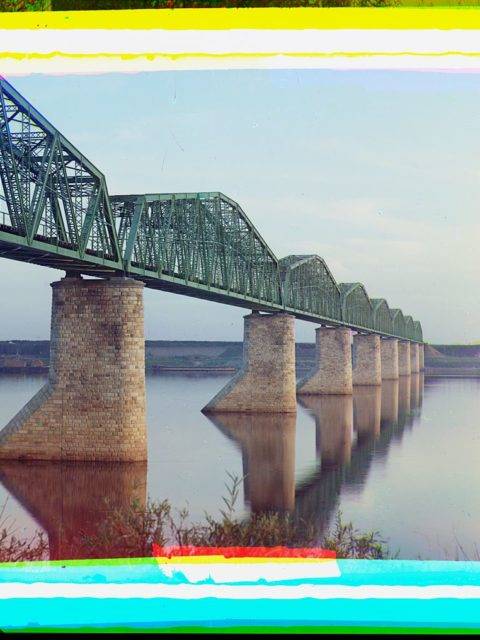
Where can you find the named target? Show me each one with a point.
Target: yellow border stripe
(218, 19)
(16, 55)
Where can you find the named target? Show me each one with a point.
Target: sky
(378, 172)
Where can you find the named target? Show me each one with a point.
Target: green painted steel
(382, 316)
(202, 241)
(418, 331)
(409, 326)
(55, 211)
(398, 322)
(356, 306)
(308, 284)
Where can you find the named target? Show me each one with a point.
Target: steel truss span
(55, 211)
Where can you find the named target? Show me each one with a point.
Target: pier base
(367, 365)
(333, 368)
(266, 382)
(389, 358)
(404, 368)
(414, 358)
(93, 405)
(421, 357)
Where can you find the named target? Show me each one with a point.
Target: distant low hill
(458, 350)
(159, 355)
(197, 355)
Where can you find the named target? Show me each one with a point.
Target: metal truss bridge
(55, 211)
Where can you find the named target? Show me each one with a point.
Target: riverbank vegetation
(133, 531)
(75, 5)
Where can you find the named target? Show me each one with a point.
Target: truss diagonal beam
(55, 211)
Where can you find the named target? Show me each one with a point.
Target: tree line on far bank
(90, 5)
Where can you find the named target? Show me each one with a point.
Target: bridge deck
(55, 211)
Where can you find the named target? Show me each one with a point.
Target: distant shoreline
(452, 374)
(156, 368)
(31, 357)
(446, 373)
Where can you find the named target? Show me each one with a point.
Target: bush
(25, 5)
(132, 532)
(13, 549)
(65, 5)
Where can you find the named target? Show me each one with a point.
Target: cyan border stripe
(353, 573)
(161, 612)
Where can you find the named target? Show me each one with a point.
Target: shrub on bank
(133, 531)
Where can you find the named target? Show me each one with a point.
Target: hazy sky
(377, 172)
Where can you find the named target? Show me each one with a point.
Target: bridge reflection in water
(351, 432)
(379, 415)
(267, 443)
(72, 499)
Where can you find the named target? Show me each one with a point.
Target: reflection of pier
(351, 431)
(69, 499)
(404, 395)
(334, 427)
(379, 415)
(267, 442)
(367, 411)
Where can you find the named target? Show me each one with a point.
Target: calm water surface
(402, 459)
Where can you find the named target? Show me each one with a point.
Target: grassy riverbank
(131, 533)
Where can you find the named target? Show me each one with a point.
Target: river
(402, 459)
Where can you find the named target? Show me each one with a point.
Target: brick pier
(266, 382)
(333, 364)
(404, 366)
(367, 364)
(389, 358)
(93, 405)
(414, 357)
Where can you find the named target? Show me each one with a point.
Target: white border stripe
(252, 571)
(63, 51)
(239, 41)
(59, 65)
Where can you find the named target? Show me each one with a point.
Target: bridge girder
(55, 211)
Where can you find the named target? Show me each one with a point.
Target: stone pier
(367, 364)
(389, 358)
(266, 383)
(93, 405)
(414, 358)
(333, 368)
(421, 357)
(404, 358)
